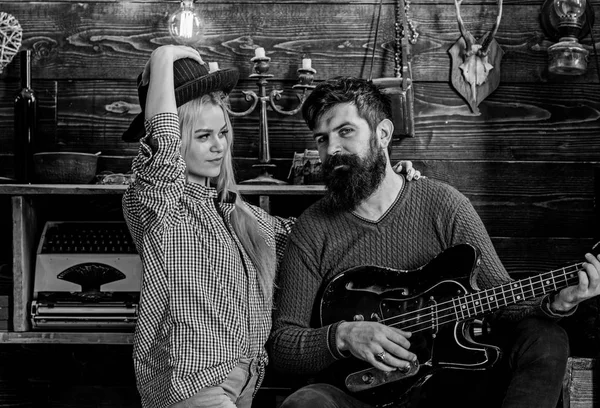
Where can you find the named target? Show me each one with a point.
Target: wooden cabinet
(33, 205)
(580, 386)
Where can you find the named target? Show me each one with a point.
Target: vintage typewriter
(87, 276)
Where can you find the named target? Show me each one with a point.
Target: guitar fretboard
(486, 301)
(489, 300)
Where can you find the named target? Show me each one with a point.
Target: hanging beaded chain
(399, 28)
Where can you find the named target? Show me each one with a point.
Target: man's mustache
(331, 162)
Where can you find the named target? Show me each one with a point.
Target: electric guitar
(439, 303)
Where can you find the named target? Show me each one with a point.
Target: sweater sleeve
(468, 227)
(294, 346)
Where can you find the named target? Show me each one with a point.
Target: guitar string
(455, 312)
(526, 290)
(452, 316)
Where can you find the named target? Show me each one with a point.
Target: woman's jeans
(235, 392)
(529, 375)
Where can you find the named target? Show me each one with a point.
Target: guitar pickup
(372, 377)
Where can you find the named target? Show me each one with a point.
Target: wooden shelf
(94, 189)
(27, 199)
(65, 338)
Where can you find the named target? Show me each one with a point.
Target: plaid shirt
(201, 307)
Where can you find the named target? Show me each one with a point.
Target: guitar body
(409, 300)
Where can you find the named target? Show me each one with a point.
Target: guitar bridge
(372, 377)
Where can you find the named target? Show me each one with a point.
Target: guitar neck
(490, 300)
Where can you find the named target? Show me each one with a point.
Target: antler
(489, 36)
(469, 39)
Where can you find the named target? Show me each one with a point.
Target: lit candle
(259, 52)
(306, 63)
(213, 66)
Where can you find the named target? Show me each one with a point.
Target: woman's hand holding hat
(181, 76)
(159, 70)
(191, 53)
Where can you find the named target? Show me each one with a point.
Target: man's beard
(353, 183)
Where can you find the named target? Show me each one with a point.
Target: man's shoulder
(315, 214)
(315, 220)
(428, 187)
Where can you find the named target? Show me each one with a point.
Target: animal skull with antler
(477, 60)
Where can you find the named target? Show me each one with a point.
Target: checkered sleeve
(283, 227)
(159, 172)
(276, 227)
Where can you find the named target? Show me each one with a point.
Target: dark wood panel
(517, 199)
(524, 122)
(539, 255)
(113, 40)
(170, 3)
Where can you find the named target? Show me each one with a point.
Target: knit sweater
(427, 217)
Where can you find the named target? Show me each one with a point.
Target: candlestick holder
(261, 67)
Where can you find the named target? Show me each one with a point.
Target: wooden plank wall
(529, 162)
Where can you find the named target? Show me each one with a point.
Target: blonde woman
(209, 258)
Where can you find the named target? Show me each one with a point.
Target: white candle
(259, 52)
(213, 66)
(306, 63)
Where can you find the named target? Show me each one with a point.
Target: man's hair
(372, 105)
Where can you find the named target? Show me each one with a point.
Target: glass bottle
(25, 107)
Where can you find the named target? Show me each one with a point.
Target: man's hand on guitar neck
(386, 348)
(588, 287)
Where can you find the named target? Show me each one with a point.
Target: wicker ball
(11, 35)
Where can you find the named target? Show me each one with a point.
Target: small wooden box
(581, 385)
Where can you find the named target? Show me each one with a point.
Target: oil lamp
(567, 21)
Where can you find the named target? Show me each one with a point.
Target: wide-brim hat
(191, 80)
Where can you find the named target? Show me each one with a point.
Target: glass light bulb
(570, 8)
(185, 25)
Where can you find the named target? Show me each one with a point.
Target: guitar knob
(358, 318)
(479, 328)
(368, 378)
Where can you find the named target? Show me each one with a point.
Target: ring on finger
(380, 357)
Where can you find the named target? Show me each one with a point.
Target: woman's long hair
(243, 221)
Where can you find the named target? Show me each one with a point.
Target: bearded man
(371, 216)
